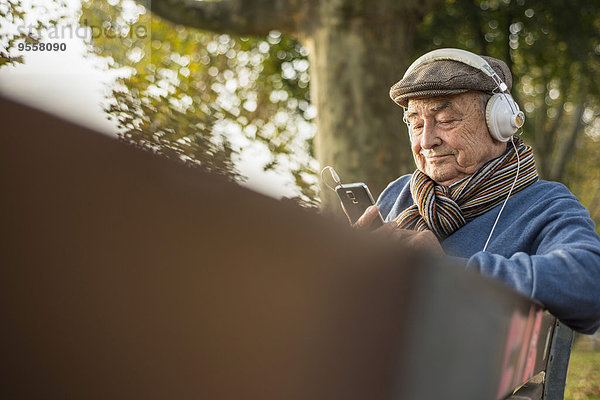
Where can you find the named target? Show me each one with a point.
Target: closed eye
(416, 127)
(447, 124)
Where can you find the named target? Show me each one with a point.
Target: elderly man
(476, 195)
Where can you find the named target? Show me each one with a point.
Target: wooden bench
(549, 381)
(125, 275)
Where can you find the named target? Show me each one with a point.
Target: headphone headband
(502, 114)
(462, 56)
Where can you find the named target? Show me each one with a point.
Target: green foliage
(203, 97)
(553, 50)
(17, 25)
(585, 173)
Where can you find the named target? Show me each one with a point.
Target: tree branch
(594, 204)
(566, 150)
(241, 17)
(551, 135)
(507, 54)
(541, 145)
(552, 132)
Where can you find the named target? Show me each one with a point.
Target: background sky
(74, 84)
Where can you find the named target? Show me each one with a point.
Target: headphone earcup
(503, 117)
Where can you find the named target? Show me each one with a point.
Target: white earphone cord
(507, 197)
(334, 175)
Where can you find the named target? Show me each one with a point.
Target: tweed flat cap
(447, 77)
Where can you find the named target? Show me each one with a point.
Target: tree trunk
(357, 50)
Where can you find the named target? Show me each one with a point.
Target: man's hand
(418, 240)
(367, 219)
(425, 240)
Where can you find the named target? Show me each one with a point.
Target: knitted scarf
(444, 209)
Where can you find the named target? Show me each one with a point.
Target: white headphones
(502, 113)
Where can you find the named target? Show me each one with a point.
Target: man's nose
(429, 136)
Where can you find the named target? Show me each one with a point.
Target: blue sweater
(544, 246)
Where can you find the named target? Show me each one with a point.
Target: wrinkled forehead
(429, 105)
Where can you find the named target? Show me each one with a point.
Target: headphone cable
(512, 140)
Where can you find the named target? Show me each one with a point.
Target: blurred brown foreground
(127, 276)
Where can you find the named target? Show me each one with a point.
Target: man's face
(449, 136)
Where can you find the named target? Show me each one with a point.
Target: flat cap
(447, 77)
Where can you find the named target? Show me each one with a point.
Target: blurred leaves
(25, 22)
(553, 50)
(203, 98)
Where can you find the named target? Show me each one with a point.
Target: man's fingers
(426, 240)
(419, 240)
(367, 218)
(404, 233)
(387, 228)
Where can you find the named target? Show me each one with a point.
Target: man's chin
(444, 179)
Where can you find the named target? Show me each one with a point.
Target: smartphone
(356, 198)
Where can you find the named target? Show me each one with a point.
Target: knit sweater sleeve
(395, 198)
(562, 268)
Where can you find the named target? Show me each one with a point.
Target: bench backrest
(549, 384)
(125, 275)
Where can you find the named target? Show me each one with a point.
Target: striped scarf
(444, 209)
